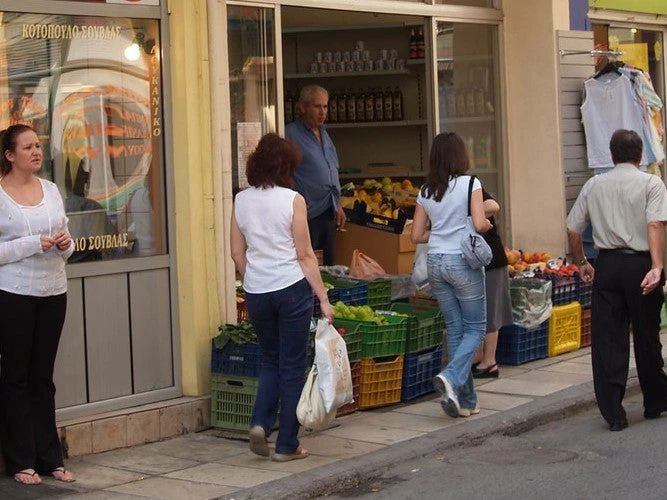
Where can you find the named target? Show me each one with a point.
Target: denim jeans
(281, 320)
(461, 295)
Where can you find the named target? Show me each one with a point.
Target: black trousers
(617, 302)
(322, 229)
(29, 334)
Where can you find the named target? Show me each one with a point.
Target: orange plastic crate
(565, 329)
(585, 327)
(355, 369)
(381, 380)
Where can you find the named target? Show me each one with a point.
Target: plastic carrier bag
(531, 301)
(333, 366)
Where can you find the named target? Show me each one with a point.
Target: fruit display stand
(355, 370)
(381, 381)
(565, 329)
(232, 400)
(419, 369)
(585, 328)
(243, 360)
(518, 345)
(378, 340)
(424, 328)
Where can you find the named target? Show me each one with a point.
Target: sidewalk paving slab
(217, 464)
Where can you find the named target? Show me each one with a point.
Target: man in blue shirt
(316, 178)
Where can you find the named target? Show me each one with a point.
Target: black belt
(624, 251)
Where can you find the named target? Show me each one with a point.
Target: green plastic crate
(232, 399)
(379, 293)
(425, 326)
(379, 340)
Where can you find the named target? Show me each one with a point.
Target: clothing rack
(592, 53)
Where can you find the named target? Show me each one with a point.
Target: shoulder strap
(472, 180)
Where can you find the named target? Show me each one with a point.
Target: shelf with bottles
(369, 107)
(401, 123)
(379, 49)
(342, 74)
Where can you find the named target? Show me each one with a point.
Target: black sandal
(490, 372)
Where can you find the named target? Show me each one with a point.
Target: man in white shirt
(628, 211)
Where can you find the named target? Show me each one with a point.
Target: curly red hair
(273, 162)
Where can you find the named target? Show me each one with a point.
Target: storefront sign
(644, 6)
(136, 2)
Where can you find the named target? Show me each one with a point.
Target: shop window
(252, 76)
(92, 88)
(467, 73)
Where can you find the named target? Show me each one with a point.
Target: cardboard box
(394, 252)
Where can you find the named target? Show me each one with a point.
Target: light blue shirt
(316, 177)
(448, 216)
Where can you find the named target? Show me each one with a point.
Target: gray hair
(307, 93)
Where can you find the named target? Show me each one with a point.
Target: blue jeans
(461, 294)
(281, 320)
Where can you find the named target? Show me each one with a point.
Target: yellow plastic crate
(381, 381)
(565, 329)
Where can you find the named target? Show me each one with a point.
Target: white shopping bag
(333, 367)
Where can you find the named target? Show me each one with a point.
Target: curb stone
(345, 474)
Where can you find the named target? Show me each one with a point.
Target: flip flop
(298, 454)
(490, 372)
(63, 475)
(258, 443)
(27, 473)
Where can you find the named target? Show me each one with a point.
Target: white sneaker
(466, 412)
(450, 401)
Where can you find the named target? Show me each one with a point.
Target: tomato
(341, 331)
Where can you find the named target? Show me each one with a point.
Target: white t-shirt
(264, 216)
(448, 216)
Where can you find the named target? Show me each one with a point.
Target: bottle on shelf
(361, 106)
(421, 44)
(379, 105)
(470, 101)
(351, 106)
(461, 103)
(480, 101)
(412, 44)
(388, 100)
(450, 96)
(342, 106)
(332, 116)
(370, 106)
(397, 103)
(289, 107)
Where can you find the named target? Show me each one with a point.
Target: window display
(468, 90)
(92, 88)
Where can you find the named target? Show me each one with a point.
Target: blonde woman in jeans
(442, 205)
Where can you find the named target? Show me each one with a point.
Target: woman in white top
(460, 290)
(270, 245)
(34, 245)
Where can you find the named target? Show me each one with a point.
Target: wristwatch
(583, 262)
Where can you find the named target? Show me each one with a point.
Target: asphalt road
(573, 458)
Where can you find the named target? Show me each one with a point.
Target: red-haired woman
(271, 248)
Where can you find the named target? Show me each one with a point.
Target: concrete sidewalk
(216, 464)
